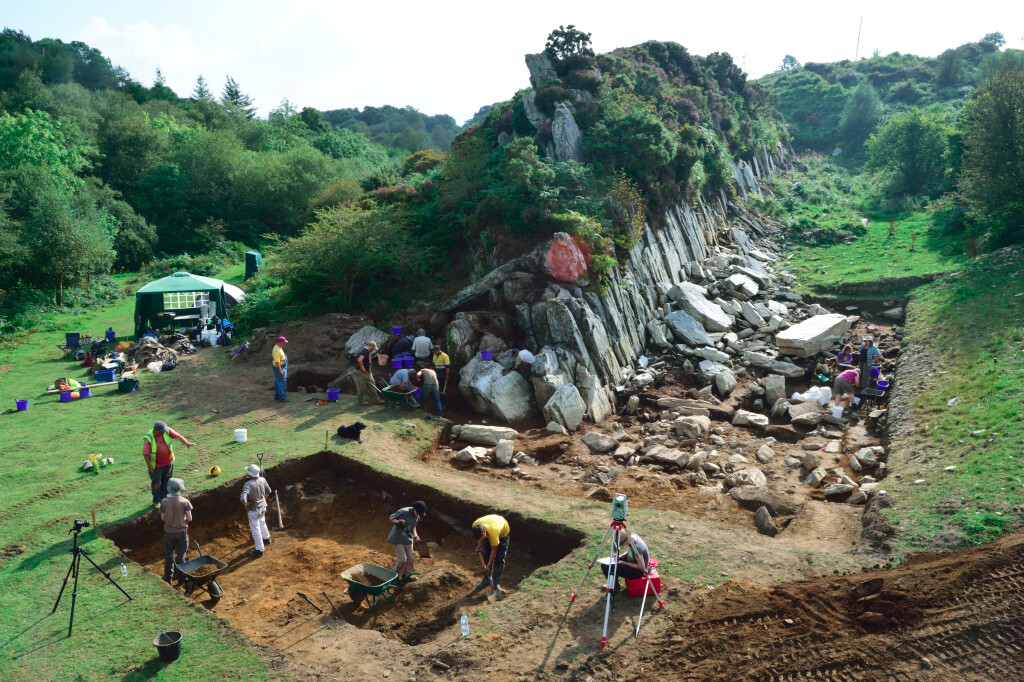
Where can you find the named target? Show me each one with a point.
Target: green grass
(879, 263)
(970, 326)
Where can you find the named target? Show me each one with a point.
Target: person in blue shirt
(400, 378)
(869, 354)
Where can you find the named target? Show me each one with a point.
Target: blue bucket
(486, 355)
(408, 362)
(84, 392)
(416, 393)
(332, 394)
(21, 404)
(65, 396)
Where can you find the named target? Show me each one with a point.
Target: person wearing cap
(402, 345)
(430, 389)
(254, 496)
(158, 450)
(280, 370)
(868, 354)
(403, 533)
(632, 564)
(524, 363)
(176, 513)
(364, 377)
(491, 533)
(441, 363)
(421, 345)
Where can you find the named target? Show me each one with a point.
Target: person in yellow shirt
(491, 533)
(441, 365)
(280, 370)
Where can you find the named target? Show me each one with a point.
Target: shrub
(550, 95)
(421, 162)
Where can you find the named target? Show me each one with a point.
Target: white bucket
(837, 412)
(240, 435)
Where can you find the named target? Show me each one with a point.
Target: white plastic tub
(837, 412)
(241, 435)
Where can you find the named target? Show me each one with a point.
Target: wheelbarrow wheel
(215, 590)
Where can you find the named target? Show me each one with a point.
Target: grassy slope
(43, 489)
(971, 327)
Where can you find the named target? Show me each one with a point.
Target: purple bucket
(22, 405)
(397, 364)
(332, 394)
(396, 330)
(416, 393)
(408, 362)
(65, 396)
(486, 355)
(84, 392)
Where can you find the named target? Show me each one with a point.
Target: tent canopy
(182, 294)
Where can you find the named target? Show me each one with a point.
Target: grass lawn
(43, 489)
(970, 328)
(879, 263)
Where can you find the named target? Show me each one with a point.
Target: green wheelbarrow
(393, 396)
(371, 582)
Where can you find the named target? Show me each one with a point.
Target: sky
(452, 57)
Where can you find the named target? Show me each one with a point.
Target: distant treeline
(401, 128)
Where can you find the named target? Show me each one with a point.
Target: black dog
(351, 432)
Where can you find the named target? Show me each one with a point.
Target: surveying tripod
(620, 509)
(76, 561)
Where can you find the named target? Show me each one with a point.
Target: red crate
(636, 586)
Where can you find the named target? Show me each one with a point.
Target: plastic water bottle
(124, 571)
(465, 625)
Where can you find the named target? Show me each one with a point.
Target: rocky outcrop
(813, 336)
(565, 135)
(542, 71)
(504, 396)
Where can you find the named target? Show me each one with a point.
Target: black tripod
(76, 561)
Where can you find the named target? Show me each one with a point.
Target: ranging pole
(856, 51)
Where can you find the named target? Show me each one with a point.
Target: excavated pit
(336, 516)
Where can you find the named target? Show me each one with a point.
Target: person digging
(158, 450)
(403, 534)
(254, 497)
(491, 533)
(364, 377)
(176, 513)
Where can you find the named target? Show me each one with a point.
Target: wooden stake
(94, 526)
(326, 435)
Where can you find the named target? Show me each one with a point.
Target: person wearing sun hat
(254, 496)
(402, 535)
(280, 362)
(176, 513)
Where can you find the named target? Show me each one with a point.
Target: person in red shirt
(161, 467)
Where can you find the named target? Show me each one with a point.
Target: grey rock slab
(486, 435)
(599, 442)
(786, 369)
(742, 286)
(764, 454)
(764, 524)
(749, 476)
(745, 418)
(555, 427)
(815, 478)
(565, 134)
(754, 496)
(503, 452)
(813, 335)
(542, 71)
(565, 407)
(687, 329)
(725, 382)
(692, 426)
(774, 389)
(751, 315)
(470, 454)
(691, 298)
(358, 341)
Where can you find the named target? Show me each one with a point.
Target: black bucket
(168, 645)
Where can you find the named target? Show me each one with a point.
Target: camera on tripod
(79, 525)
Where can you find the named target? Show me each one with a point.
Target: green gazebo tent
(182, 294)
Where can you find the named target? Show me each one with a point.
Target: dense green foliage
(99, 173)
(911, 145)
(402, 128)
(813, 97)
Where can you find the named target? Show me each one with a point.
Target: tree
(789, 62)
(996, 38)
(234, 97)
(160, 90)
(992, 177)
(861, 113)
(911, 145)
(567, 41)
(201, 91)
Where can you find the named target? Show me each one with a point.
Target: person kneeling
(631, 566)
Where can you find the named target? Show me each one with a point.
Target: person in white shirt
(421, 345)
(524, 362)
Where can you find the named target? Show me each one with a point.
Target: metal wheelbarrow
(192, 577)
(371, 582)
(393, 396)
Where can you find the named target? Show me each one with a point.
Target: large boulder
(745, 418)
(754, 496)
(742, 286)
(462, 340)
(595, 397)
(508, 397)
(813, 335)
(565, 407)
(749, 476)
(764, 524)
(542, 71)
(358, 341)
(565, 134)
(686, 328)
(691, 298)
(533, 114)
(600, 443)
(566, 257)
(694, 426)
(486, 435)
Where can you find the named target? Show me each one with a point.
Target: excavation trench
(336, 515)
